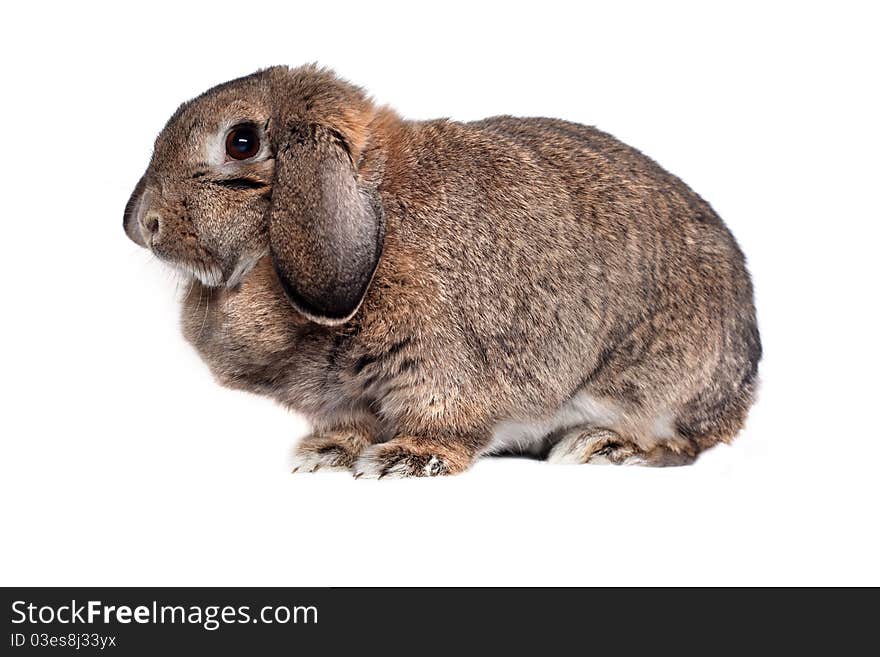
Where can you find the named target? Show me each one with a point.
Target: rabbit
(429, 292)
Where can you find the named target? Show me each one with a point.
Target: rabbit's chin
(207, 274)
(211, 275)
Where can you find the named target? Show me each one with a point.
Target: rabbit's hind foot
(603, 446)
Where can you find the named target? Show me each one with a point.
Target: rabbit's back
(574, 271)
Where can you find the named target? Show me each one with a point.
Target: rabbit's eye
(242, 142)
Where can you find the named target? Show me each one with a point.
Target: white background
(123, 463)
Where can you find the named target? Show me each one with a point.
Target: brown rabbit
(428, 292)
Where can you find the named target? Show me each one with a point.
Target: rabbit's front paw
(404, 457)
(335, 450)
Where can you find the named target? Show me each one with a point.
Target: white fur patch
(527, 436)
(664, 427)
(210, 276)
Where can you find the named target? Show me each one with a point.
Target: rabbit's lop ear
(325, 231)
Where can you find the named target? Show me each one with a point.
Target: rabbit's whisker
(205, 318)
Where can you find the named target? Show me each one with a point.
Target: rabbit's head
(267, 164)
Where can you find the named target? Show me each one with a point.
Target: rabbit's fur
(427, 292)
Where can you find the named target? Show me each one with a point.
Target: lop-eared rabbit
(427, 292)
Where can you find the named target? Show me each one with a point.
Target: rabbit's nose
(151, 222)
